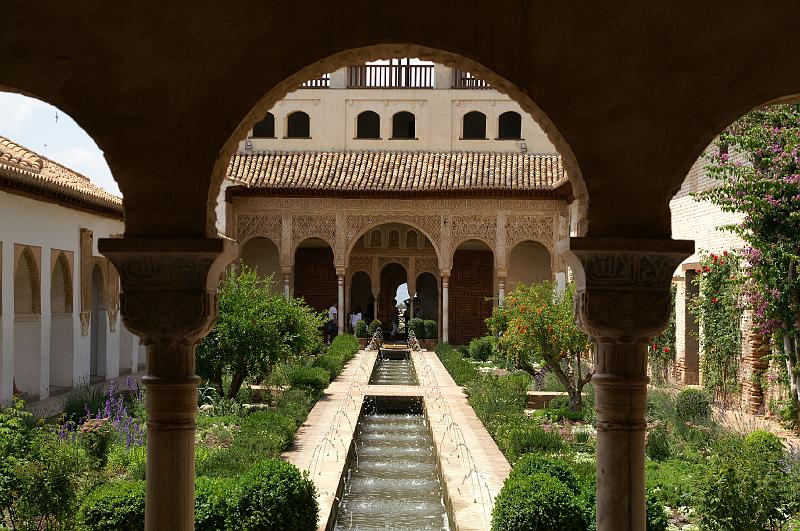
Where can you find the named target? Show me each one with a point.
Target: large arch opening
(392, 276)
(315, 274)
(361, 298)
(61, 326)
(262, 255)
(427, 297)
(27, 325)
(529, 262)
(471, 289)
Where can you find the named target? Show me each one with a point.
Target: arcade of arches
(453, 259)
(615, 94)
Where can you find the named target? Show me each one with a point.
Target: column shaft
(445, 309)
(340, 306)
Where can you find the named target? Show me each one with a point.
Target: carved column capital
(168, 286)
(622, 285)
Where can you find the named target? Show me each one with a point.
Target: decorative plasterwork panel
(536, 228)
(426, 264)
(356, 225)
(360, 263)
(402, 260)
(248, 225)
(474, 227)
(401, 206)
(323, 227)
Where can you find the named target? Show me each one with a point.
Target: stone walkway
(472, 466)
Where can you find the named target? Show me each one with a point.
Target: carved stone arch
(249, 226)
(359, 225)
(531, 228)
(101, 265)
(243, 243)
(360, 263)
(322, 227)
(403, 261)
(27, 282)
(464, 228)
(61, 271)
(426, 264)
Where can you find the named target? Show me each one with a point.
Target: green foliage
(719, 312)
(374, 326)
(658, 443)
(530, 464)
(81, 398)
(361, 328)
(692, 406)
(744, 488)
(531, 439)
(551, 383)
(315, 378)
(660, 406)
(130, 461)
(672, 482)
(537, 326)
(115, 506)
(764, 443)
(661, 352)
(257, 328)
(482, 348)
(459, 368)
(341, 350)
(295, 404)
(536, 503)
(431, 329)
(275, 495)
(213, 503)
(657, 518)
(498, 398)
(418, 326)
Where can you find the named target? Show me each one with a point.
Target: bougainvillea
(536, 326)
(757, 166)
(718, 309)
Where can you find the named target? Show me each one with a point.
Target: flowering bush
(662, 350)
(537, 325)
(719, 311)
(757, 164)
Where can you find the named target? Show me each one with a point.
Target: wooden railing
(320, 82)
(464, 80)
(390, 76)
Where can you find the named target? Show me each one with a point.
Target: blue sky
(32, 123)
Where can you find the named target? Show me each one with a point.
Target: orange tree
(537, 326)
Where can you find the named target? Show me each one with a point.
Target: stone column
(622, 300)
(445, 306)
(169, 299)
(501, 288)
(340, 305)
(412, 289)
(286, 272)
(376, 293)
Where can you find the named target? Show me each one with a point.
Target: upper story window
(474, 126)
(509, 126)
(368, 125)
(265, 128)
(403, 125)
(298, 125)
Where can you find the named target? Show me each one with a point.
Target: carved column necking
(169, 299)
(622, 300)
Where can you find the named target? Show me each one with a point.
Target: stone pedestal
(622, 300)
(169, 299)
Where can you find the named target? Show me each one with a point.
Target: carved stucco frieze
(312, 204)
(269, 226)
(473, 227)
(358, 224)
(360, 263)
(323, 227)
(426, 264)
(405, 261)
(536, 228)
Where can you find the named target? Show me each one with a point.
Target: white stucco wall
(27, 221)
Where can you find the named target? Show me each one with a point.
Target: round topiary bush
(431, 329)
(658, 444)
(361, 328)
(116, 506)
(374, 326)
(692, 406)
(481, 349)
(764, 442)
(536, 503)
(530, 464)
(214, 499)
(275, 495)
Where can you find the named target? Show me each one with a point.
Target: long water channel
(393, 480)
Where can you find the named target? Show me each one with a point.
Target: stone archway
(262, 255)
(27, 322)
(61, 323)
(392, 275)
(471, 289)
(314, 274)
(529, 262)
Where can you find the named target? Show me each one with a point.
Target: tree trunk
(220, 388)
(236, 383)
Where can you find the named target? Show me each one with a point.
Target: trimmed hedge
(459, 368)
(341, 350)
(692, 406)
(418, 326)
(481, 349)
(537, 503)
(213, 499)
(116, 506)
(431, 329)
(315, 378)
(275, 495)
(531, 464)
(361, 328)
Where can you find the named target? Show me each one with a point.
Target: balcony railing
(390, 76)
(320, 82)
(464, 80)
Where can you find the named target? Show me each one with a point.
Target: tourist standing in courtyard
(331, 327)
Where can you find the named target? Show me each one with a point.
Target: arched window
(403, 125)
(265, 128)
(26, 285)
(368, 125)
(509, 126)
(394, 239)
(298, 125)
(474, 126)
(61, 286)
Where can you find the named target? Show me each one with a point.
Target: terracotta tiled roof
(25, 170)
(398, 171)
